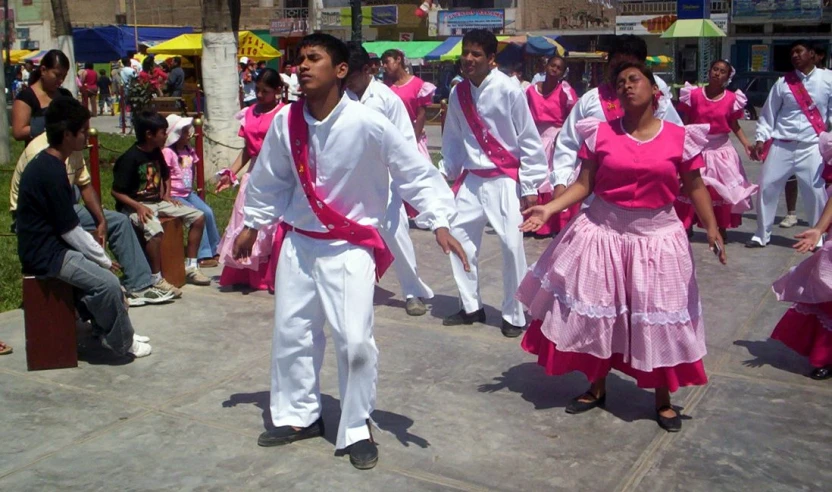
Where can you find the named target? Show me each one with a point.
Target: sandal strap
(666, 407)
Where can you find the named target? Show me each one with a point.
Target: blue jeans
(210, 235)
(122, 240)
(101, 296)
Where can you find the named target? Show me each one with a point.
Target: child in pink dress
(257, 271)
(617, 288)
(550, 102)
(723, 173)
(806, 327)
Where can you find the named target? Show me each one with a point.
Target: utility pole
(7, 33)
(355, 10)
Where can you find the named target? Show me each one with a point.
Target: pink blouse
(253, 128)
(181, 166)
(718, 113)
(551, 110)
(635, 174)
(416, 93)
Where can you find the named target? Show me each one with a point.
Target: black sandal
(821, 373)
(577, 406)
(670, 424)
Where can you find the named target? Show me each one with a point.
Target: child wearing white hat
(181, 159)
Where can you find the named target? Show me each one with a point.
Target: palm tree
(63, 34)
(220, 80)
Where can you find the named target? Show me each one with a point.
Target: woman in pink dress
(255, 122)
(417, 95)
(806, 327)
(550, 102)
(723, 174)
(617, 288)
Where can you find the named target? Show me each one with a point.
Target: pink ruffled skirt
(725, 178)
(544, 194)
(254, 271)
(617, 289)
(806, 327)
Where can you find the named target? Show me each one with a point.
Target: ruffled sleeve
(425, 95)
(587, 130)
(738, 108)
(685, 97)
(696, 137)
(570, 94)
(241, 117)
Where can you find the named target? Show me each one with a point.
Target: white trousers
(786, 159)
(495, 201)
(318, 281)
(396, 233)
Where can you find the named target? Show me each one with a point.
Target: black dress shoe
(821, 373)
(577, 406)
(463, 318)
(363, 454)
(670, 424)
(511, 331)
(286, 434)
(754, 244)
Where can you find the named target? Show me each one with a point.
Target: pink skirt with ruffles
(806, 327)
(617, 289)
(725, 178)
(254, 271)
(557, 223)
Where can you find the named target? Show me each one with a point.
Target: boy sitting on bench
(51, 242)
(141, 187)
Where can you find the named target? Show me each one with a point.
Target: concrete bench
(49, 318)
(173, 251)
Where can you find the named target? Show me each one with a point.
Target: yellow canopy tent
(16, 56)
(186, 63)
(251, 46)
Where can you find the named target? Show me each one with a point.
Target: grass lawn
(112, 145)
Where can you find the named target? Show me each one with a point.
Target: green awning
(413, 50)
(694, 28)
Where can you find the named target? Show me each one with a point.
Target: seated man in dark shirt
(51, 242)
(141, 187)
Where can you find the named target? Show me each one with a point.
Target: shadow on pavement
(772, 353)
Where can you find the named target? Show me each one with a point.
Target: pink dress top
(181, 166)
(635, 174)
(553, 109)
(253, 128)
(719, 113)
(415, 93)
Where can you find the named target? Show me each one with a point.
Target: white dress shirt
(782, 118)
(565, 158)
(502, 106)
(353, 153)
(381, 98)
(293, 86)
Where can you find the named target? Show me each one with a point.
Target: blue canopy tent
(109, 43)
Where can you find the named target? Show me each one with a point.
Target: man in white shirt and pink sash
(325, 169)
(492, 149)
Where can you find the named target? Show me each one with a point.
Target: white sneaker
(788, 221)
(194, 276)
(140, 338)
(139, 349)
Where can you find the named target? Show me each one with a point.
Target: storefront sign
(760, 58)
(693, 9)
(646, 25)
(289, 27)
(458, 22)
(762, 11)
(381, 15)
(405, 36)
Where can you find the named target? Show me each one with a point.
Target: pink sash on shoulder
(340, 227)
(507, 163)
(807, 105)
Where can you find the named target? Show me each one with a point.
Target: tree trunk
(5, 153)
(221, 82)
(63, 34)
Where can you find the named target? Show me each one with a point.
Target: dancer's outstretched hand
(809, 239)
(716, 245)
(535, 218)
(244, 243)
(449, 245)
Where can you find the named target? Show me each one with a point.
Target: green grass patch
(112, 145)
